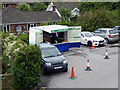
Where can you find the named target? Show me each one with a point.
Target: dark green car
(52, 59)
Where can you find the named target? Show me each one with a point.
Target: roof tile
(14, 15)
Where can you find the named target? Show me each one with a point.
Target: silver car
(109, 34)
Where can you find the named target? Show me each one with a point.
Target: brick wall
(38, 24)
(14, 26)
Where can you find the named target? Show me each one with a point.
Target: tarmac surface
(104, 72)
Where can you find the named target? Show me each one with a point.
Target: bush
(26, 67)
(24, 37)
(10, 45)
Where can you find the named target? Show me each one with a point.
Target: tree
(87, 6)
(39, 6)
(65, 22)
(26, 69)
(100, 18)
(24, 7)
(65, 13)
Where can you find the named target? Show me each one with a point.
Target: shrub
(26, 67)
(10, 45)
(24, 37)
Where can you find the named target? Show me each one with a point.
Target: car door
(83, 41)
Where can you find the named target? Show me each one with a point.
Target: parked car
(87, 38)
(117, 28)
(52, 59)
(109, 34)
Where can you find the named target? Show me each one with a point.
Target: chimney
(53, 7)
(14, 5)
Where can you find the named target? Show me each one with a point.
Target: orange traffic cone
(88, 66)
(72, 74)
(106, 56)
(93, 45)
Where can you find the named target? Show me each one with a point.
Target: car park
(87, 38)
(117, 28)
(52, 59)
(109, 34)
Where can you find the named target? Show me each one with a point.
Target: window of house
(31, 25)
(6, 28)
(5, 5)
(35, 24)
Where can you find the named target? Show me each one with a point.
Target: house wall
(6, 5)
(14, 26)
(38, 24)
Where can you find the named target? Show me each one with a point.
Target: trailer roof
(53, 28)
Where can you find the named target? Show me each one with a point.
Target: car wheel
(65, 70)
(106, 41)
(89, 43)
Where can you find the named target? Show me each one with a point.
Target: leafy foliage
(24, 37)
(24, 7)
(10, 45)
(93, 15)
(65, 22)
(88, 6)
(26, 67)
(101, 18)
(65, 13)
(39, 6)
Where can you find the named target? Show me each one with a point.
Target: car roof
(117, 26)
(85, 32)
(45, 45)
(106, 28)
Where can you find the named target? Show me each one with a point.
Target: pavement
(104, 72)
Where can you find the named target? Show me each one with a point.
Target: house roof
(69, 5)
(18, 1)
(14, 15)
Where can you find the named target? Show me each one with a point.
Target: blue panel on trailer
(74, 44)
(63, 47)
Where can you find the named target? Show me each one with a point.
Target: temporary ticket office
(63, 37)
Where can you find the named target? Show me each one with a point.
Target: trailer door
(39, 37)
(75, 34)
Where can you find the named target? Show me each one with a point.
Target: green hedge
(26, 67)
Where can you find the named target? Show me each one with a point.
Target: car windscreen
(117, 28)
(88, 34)
(113, 32)
(50, 52)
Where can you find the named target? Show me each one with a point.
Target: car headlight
(65, 61)
(48, 64)
(95, 41)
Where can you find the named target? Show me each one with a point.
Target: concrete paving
(104, 72)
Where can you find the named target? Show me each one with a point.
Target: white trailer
(72, 35)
